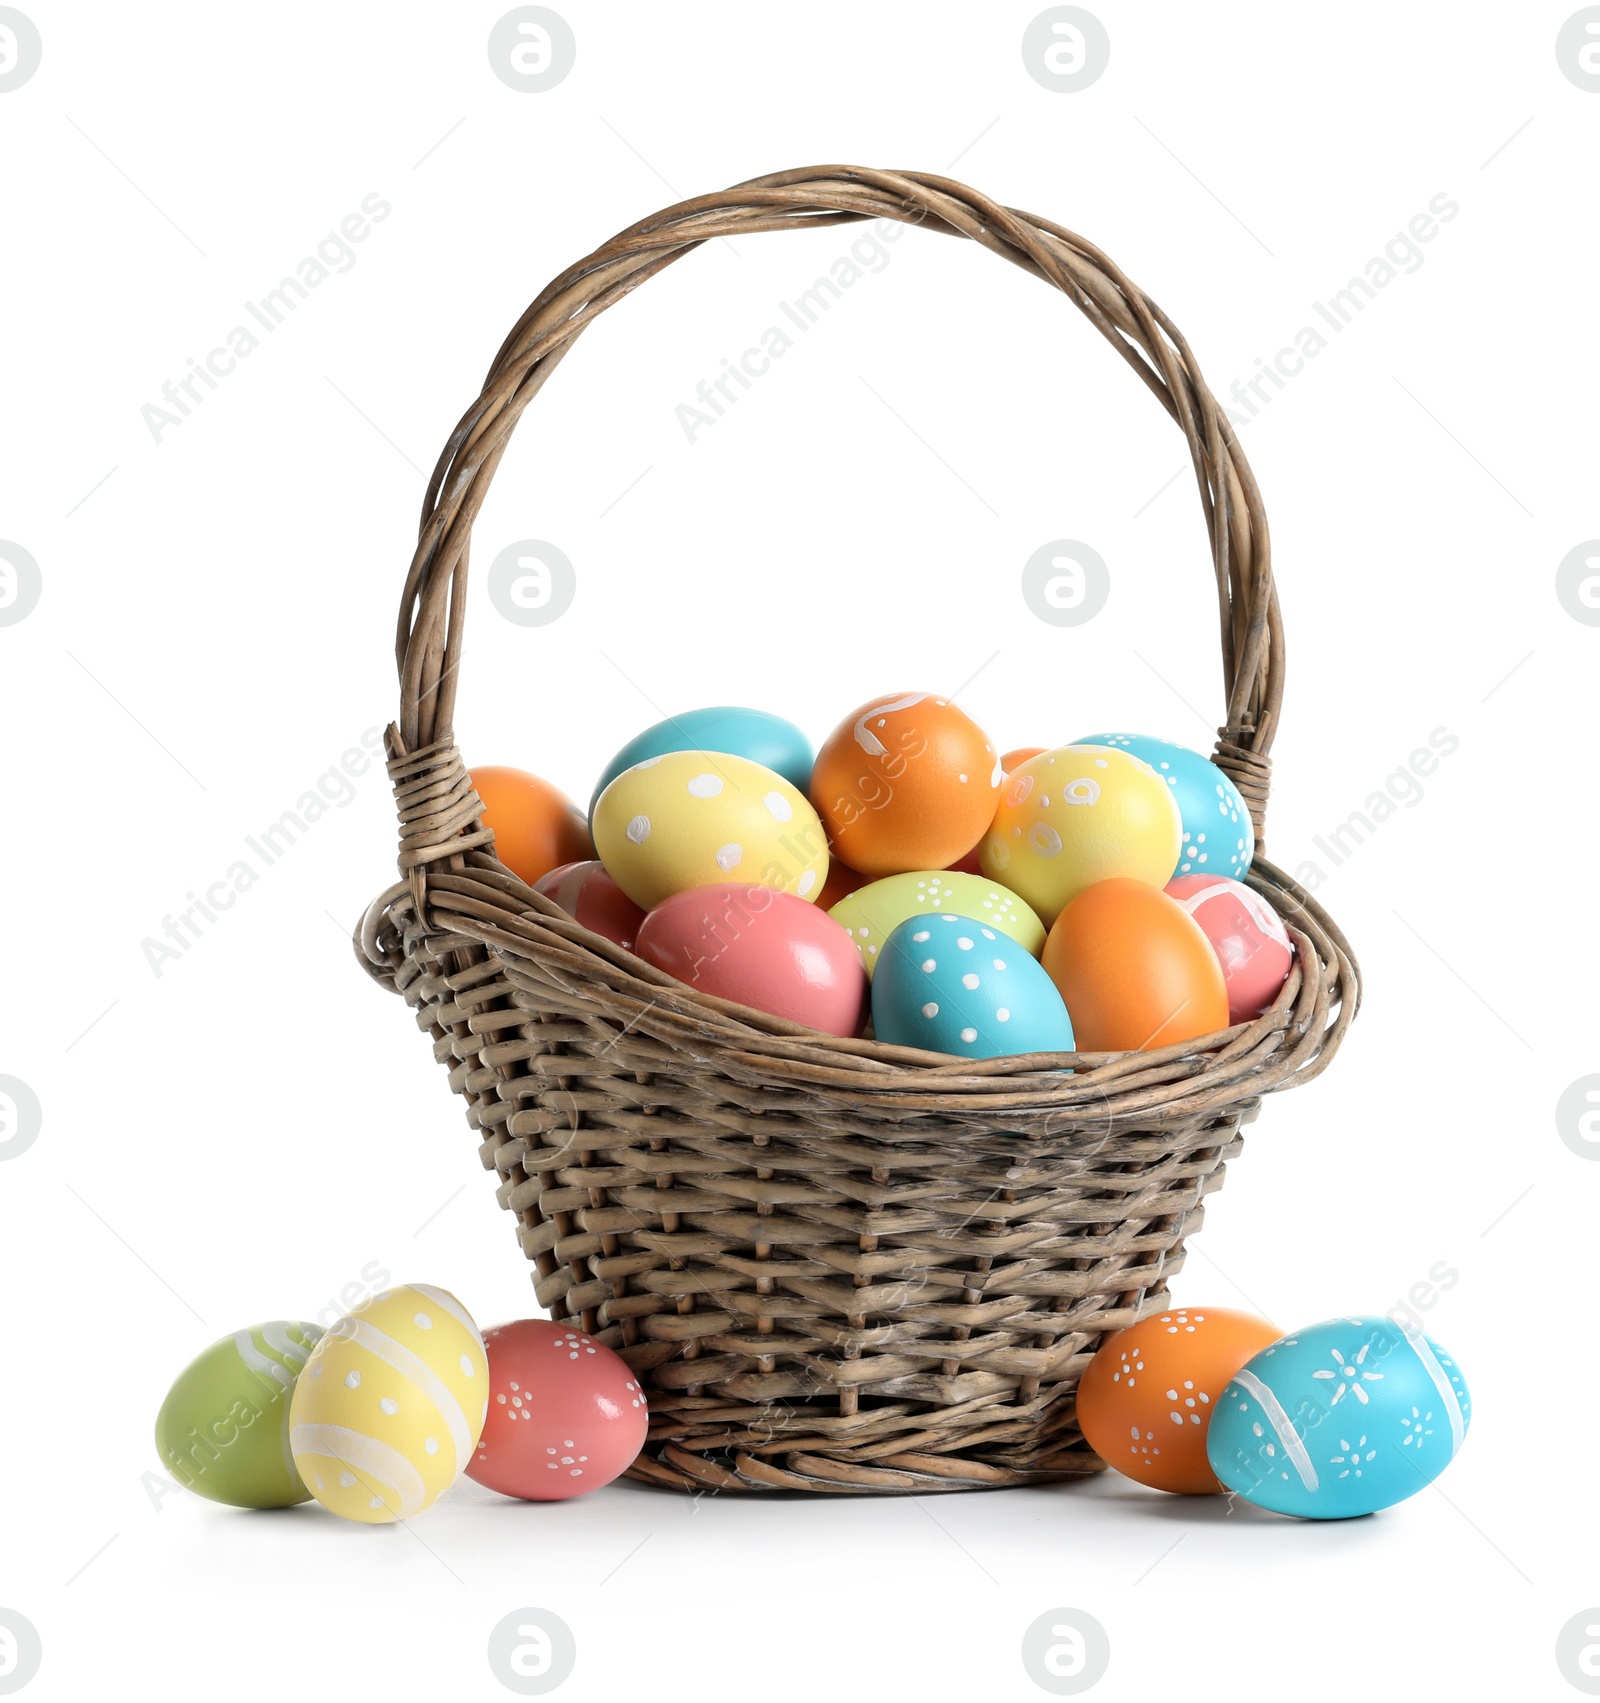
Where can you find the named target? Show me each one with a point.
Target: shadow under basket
(835, 1265)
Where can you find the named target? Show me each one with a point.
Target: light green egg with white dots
(872, 913)
(223, 1431)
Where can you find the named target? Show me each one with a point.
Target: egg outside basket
(835, 1265)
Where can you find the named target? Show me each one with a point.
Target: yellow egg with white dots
(390, 1406)
(703, 818)
(1077, 815)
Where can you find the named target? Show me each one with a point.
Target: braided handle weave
(432, 610)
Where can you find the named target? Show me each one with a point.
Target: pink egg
(1246, 934)
(566, 1415)
(765, 949)
(589, 895)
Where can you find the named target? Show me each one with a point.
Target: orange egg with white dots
(906, 782)
(1145, 1403)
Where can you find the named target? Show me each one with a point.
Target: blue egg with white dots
(1218, 835)
(1342, 1419)
(949, 984)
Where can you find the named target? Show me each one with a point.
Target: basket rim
(483, 904)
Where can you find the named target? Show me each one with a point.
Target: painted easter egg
(1146, 1401)
(390, 1405)
(1078, 815)
(872, 913)
(1135, 970)
(701, 818)
(1247, 935)
(589, 894)
(951, 984)
(566, 1414)
(772, 951)
(906, 782)
(536, 826)
(1342, 1419)
(1218, 835)
(223, 1430)
(765, 739)
(1011, 761)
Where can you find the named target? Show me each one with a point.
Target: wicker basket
(836, 1265)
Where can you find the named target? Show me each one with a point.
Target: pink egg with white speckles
(566, 1414)
(1247, 935)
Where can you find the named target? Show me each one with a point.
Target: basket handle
(432, 610)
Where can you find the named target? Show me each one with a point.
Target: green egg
(223, 1430)
(872, 913)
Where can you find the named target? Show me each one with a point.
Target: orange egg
(1135, 969)
(1015, 759)
(907, 782)
(1145, 1403)
(537, 828)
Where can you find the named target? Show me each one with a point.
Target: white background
(237, 1138)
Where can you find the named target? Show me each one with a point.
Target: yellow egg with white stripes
(390, 1405)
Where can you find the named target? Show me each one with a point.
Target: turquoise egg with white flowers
(1218, 835)
(1345, 1418)
(950, 984)
(766, 739)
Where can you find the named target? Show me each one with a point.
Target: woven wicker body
(837, 1265)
